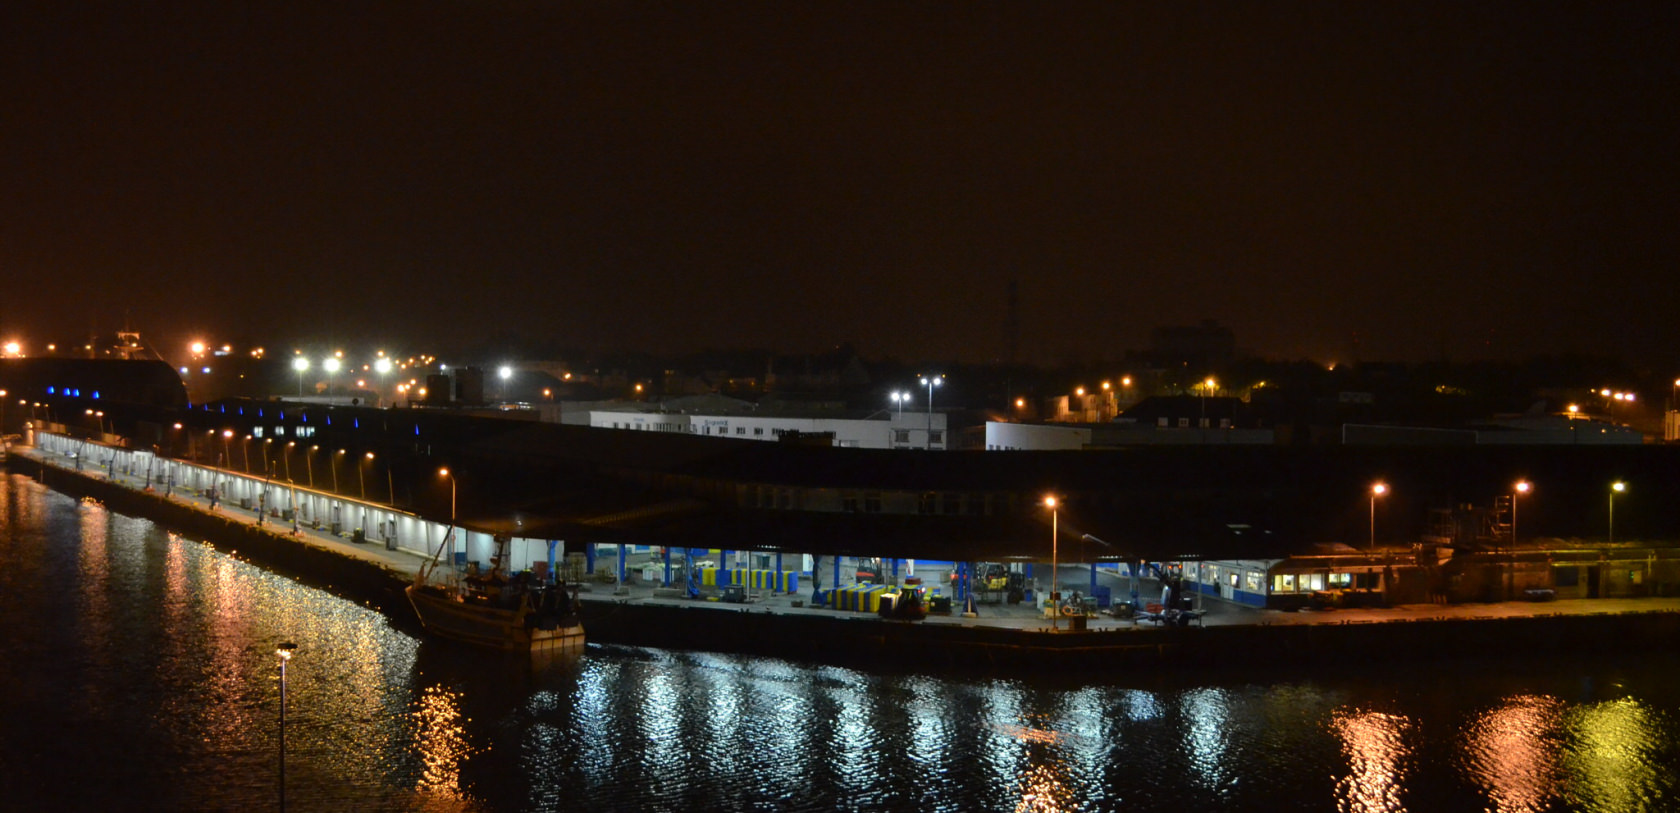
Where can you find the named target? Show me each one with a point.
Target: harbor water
(138, 672)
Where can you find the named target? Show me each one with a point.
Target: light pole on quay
(930, 383)
(449, 538)
(1377, 490)
(1055, 596)
(1615, 488)
(300, 364)
(1520, 490)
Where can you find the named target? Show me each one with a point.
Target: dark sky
(1469, 179)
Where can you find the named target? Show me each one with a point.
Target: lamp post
(332, 364)
(300, 364)
(1615, 488)
(1206, 386)
(1377, 490)
(284, 651)
(309, 464)
(446, 473)
(335, 469)
(1520, 490)
(383, 367)
(361, 478)
(930, 383)
(1055, 596)
(287, 456)
(504, 373)
(449, 538)
(899, 397)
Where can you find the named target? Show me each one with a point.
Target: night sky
(1469, 180)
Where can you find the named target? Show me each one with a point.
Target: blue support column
(552, 573)
(623, 558)
(692, 575)
(895, 570)
(589, 558)
(1027, 577)
(667, 582)
(962, 581)
(837, 572)
(723, 565)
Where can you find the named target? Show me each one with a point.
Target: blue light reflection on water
(146, 661)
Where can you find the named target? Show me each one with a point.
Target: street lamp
(383, 367)
(1055, 596)
(300, 364)
(1377, 490)
(360, 478)
(1615, 488)
(284, 651)
(1207, 385)
(335, 469)
(450, 537)
(309, 464)
(504, 373)
(930, 383)
(332, 364)
(1522, 488)
(446, 473)
(899, 399)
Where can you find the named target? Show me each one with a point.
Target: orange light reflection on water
(1512, 752)
(1375, 745)
(441, 741)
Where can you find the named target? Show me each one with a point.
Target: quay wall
(870, 641)
(850, 638)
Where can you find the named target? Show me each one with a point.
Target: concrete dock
(625, 612)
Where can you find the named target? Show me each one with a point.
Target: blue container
(1103, 594)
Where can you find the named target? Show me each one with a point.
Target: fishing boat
(517, 614)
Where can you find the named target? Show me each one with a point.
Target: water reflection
(1512, 752)
(1613, 756)
(441, 741)
(1375, 746)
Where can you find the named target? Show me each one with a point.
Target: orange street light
(1378, 489)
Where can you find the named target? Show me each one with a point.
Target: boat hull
(480, 625)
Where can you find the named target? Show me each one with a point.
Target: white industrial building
(727, 417)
